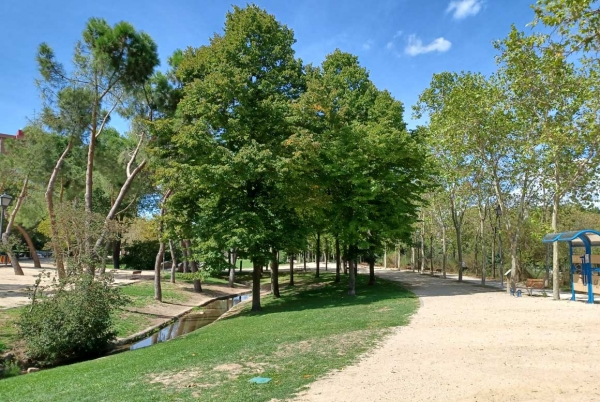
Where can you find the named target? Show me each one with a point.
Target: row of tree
(524, 140)
(263, 152)
(239, 150)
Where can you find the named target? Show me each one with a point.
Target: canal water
(191, 321)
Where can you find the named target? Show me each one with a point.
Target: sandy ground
(13, 288)
(470, 343)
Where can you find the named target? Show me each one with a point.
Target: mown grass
(185, 278)
(312, 329)
(8, 329)
(142, 293)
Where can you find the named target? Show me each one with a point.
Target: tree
(228, 137)
(558, 102)
(108, 63)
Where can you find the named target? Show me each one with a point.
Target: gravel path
(470, 343)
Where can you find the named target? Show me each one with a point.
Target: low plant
(75, 322)
(10, 369)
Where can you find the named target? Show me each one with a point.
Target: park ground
(465, 343)
(473, 343)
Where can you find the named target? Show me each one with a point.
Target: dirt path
(469, 343)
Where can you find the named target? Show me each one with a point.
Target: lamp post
(498, 215)
(5, 201)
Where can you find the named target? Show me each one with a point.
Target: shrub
(142, 255)
(10, 369)
(74, 322)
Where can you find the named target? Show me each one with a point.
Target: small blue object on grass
(260, 380)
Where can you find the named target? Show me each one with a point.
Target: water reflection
(191, 321)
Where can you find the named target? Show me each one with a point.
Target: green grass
(181, 277)
(296, 339)
(142, 293)
(128, 323)
(8, 330)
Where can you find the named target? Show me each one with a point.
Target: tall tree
(108, 63)
(230, 128)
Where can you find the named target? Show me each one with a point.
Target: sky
(402, 43)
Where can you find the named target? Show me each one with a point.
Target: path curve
(470, 343)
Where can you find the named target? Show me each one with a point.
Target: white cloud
(397, 34)
(367, 45)
(464, 8)
(415, 46)
(389, 45)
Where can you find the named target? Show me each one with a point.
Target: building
(3, 137)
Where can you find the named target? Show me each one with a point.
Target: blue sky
(401, 42)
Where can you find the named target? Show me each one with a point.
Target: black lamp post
(5, 201)
(498, 215)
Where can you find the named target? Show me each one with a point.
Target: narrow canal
(190, 322)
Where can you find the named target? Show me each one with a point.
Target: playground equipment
(589, 264)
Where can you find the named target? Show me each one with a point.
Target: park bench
(136, 275)
(531, 284)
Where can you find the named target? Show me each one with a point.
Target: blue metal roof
(575, 236)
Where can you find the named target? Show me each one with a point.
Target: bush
(10, 369)
(74, 323)
(142, 255)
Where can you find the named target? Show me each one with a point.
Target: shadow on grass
(324, 293)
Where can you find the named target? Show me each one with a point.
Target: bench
(531, 284)
(136, 275)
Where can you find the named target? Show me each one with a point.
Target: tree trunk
(233, 256)
(184, 257)
(352, 279)
(116, 254)
(193, 265)
(385, 257)
(412, 259)
(431, 254)
(275, 275)
(11, 221)
(483, 256)
(256, 268)
(304, 259)
(131, 175)
(422, 251)
(326, 253)
(459, 252)
(494, 254)
(444, 252)
(555, 266)
(457, 220)
(514, 263)
(49, 195)
(371, 271)
(32, 250)
(292, 270)
(173, 261)
(318, 253)
(337, 259)
(157, 264)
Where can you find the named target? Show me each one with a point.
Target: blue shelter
(585, 239)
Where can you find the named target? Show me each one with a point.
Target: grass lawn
(181, 277)
(8, 330)
(313, 329)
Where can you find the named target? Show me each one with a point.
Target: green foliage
(75, 321)
(141, 255)
(10, 369)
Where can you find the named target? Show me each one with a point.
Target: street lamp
(5, 201)
(498, 215)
